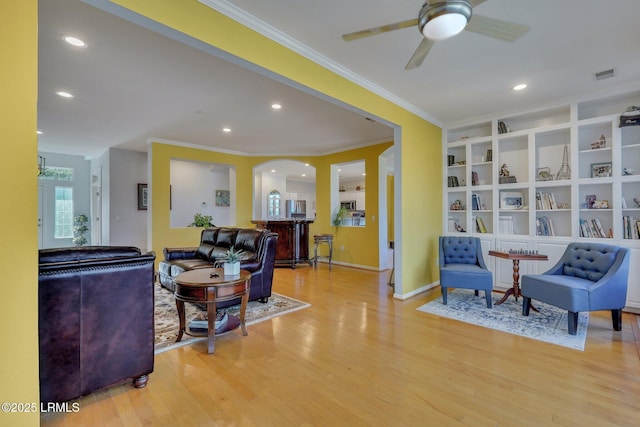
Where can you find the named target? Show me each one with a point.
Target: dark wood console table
(516, 257)
(293, 240)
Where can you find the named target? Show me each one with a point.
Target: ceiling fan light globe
(443, 19)
(444, 26)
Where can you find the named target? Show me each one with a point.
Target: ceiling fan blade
(421, 52)
(503, 30)
(475, 3)
(379, 30)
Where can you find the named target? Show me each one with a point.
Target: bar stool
(319, 239)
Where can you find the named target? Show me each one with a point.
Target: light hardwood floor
(358, 357)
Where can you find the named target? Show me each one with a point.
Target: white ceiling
(132, 84)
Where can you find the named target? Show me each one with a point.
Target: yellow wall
(420, 144)
(359, 243)
(18, 231)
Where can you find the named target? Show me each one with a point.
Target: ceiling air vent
(600, 75)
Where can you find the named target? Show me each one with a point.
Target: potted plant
(79, 229)
(338, 218)
(232, 262)
(200, 220)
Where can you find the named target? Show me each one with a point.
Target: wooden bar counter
(293, 239)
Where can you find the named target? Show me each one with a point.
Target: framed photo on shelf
(600, 170)
(511, 200)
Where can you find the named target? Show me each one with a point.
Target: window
(274, 204)
(63, 212)
(57, 173)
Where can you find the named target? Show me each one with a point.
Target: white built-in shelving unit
(535, 210)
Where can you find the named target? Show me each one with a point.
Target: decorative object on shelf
(200, 220)
(505, 176)
(589, 199)
(565, 170)
(544, 174)
(474, 178)
(512, 200)
(628, 171)
(563, 205)
(600, 143)
(452, 181)
(502, 127)
(600, 204)
(451, 159)
(489, 155)
(460, 229)
(79, 230)
(630, 117)
(637, 202)
(600, 170)
(457, 206)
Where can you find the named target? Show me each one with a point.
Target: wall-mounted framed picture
(143, 200)
(600, 170)
(511, 200)
(223, 197)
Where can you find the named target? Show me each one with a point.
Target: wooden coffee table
(210, 286)
(516, 257)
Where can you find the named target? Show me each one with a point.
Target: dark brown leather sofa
(95, 319)
(258, 257)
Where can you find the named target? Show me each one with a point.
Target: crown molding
(261, 27)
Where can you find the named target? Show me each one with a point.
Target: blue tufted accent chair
(588, 277)
(462, 266)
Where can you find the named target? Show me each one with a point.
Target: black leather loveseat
(258, 256)
(95, 319)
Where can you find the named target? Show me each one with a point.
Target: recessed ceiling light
(520, 86)
(64, 94)
(227, 130)
(276, 106)
(304, 174)
(273, 170)
(306, 164)
(74, 41)
(39, 132)
(364, 174)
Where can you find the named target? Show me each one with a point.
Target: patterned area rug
(550, 325)
(166, 316)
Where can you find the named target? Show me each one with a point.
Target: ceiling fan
(439, 20)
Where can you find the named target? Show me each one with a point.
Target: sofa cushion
(248, 239)
(589, 262)
(226, 238)
(204, 251)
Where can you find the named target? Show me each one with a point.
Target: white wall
(81, 195)
(302, 190)
(126, 224)
(193, 190)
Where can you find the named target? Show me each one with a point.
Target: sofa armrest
(180, 253)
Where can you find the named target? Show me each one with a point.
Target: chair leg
(487, 296)
(315, 255)
(526, 305)
(616, 317)
(444, 295)
(572, 320)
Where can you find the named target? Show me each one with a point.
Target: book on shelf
(475, 202)
(480, 225)
(474, 178)
(505, 225)
(544, 226)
